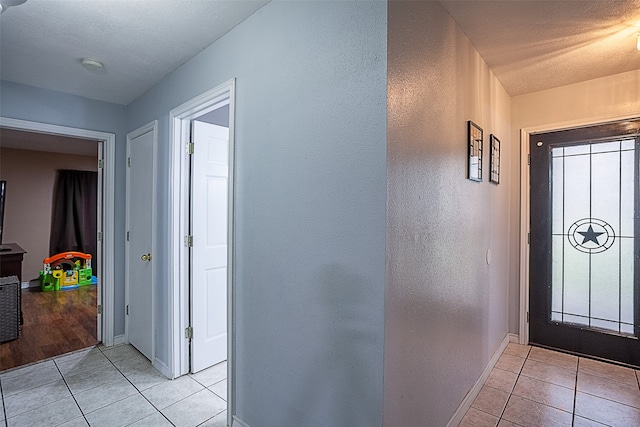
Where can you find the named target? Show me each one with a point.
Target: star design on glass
(591, 235)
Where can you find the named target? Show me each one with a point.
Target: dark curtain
(74, 220)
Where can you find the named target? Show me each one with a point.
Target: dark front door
(583, 248)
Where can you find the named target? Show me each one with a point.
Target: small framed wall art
(475, 151)
(494, 148)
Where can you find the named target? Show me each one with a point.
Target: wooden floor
(55, 323)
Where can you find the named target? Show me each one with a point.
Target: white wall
(446, 310)
(310, 206)
(592, 101)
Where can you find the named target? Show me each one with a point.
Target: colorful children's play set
(66, 270)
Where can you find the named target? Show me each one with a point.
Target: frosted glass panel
(557, 172)
(592, 208)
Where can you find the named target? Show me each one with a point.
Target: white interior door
(139, 242)
(210, 176)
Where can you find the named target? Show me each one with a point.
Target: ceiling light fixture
(6, 4)
(92, 65)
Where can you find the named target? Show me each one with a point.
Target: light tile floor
(110, 386)
(531, 386)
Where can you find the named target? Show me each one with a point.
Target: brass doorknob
(146, 257)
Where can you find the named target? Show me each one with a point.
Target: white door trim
(525, 212)
(149, 127)
(180, 118)
(107, 226)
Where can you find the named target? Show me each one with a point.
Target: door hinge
(527, 317)
(127, 312)
(190, 147)
(529, 159)
(129, 161)
(100, 236)
(100, 309)
(127, 236)
(528, 238)
(188, 332)
(188, 241)
(100, 164)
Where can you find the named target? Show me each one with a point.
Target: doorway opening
(202, 235)
(104, 259)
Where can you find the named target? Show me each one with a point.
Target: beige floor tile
(51, 414)
(31, 377)
(609, 389)
(212, 375)
(556, 358)
(219, 420)
(546, 393)
(154, 420)
(606, 411)
(122, 413)
(120, 352)
(491, 400)
(146, 378)
(501, 379)
(87, 361)
(528, 413)
(168, 393)
(95, 398)
(510, 363)
(505, 423)
(195, 409)
(608, 370)
(477, 418)
(34, 398)
(516, 349)
(549, 373)
(220, 388)
(583, 422)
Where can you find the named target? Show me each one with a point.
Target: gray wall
(446, 310)
(310, 206)
(22, 102)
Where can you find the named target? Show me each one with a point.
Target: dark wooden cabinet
(11, 261)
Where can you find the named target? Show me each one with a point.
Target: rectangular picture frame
(474, 142)
(494, 168)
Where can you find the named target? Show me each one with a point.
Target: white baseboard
(162, 367)
(119, 339)
(24, 285)
(473, 393)
(514, 338)
(238, 422)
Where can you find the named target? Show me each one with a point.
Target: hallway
(531, 386)
(114, 386)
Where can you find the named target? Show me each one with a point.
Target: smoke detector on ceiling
(92, 65)
(6, 4)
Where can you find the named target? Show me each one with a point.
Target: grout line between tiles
(4, 408)
(70, 392)
(137, 390)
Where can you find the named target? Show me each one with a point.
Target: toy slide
(66, 270)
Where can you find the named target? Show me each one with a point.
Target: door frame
(106, 214)
(179, 192)
(149, 127)
(525, 209)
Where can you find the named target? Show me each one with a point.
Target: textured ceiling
(139, 41)
(530, 45)
(537, 45)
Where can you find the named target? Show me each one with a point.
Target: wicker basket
(9, 308)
